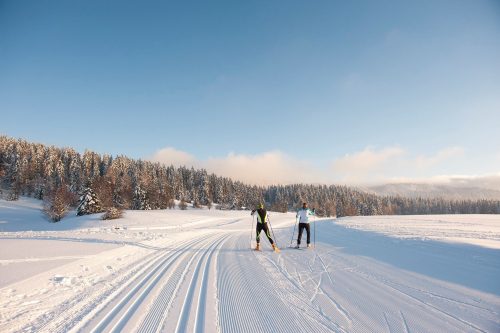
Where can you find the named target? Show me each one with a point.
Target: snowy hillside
(179, 271)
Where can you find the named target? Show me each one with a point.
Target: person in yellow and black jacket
(262, 224)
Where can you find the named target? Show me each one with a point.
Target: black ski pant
(303, 226)
(265, 227)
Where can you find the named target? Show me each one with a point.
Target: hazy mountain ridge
(451, 192)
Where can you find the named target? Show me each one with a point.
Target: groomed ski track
(213, 282)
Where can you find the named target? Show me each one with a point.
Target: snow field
(482, 230)
(193, 271)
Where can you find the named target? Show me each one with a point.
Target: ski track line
(387, 323)
(419, 301)
(428, 306)
(301, 304)
(149, 274)
(407, 329)
(339, 308)
(164, 299)
(46, 320)
(323, 319)
(87, 313)
(182, 322)
(337, 305)
(451, 300)
(441, 311)
(202, 298)
(285, 274)
(122, 321)
(159, 309)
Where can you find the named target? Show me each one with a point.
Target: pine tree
(140, 200)
(35, 170)
(89, 203)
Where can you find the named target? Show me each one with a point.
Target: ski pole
(251, 231)
(270, 226)
(293, 233)
(314, 221)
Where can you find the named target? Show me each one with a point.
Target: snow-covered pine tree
(89, 203)
(140, 200)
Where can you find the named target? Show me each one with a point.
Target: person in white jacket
(303, 216)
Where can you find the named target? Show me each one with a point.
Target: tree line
(64, 175)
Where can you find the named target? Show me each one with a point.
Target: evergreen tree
(34, 170)
(89, 203)
(140, 200)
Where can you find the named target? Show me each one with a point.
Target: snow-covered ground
(178, 271)
(481, 230)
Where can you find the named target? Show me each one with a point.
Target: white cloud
(365, 165)
(440, 157)
(272, 167)
(172, 156)
(391, 164)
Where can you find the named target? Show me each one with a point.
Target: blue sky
(352, 91)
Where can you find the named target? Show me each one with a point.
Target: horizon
(489, 182)
(331, 93)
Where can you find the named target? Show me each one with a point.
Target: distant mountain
(451, 192)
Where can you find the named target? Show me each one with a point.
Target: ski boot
(257, 248)
(275, 248)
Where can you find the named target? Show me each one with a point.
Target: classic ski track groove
(168, 290)
(187, 303)
(203, 296)
(47, 322)
(152, 283)
(149, 280)
(159, 309)
(161, 305)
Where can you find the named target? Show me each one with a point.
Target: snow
(481, 230)
(192, 270)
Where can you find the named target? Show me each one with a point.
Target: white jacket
(303, 215)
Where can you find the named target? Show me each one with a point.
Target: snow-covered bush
(182, 205)
(171, 204)
(112, 213)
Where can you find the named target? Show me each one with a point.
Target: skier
(303, 216)
(262, 224)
